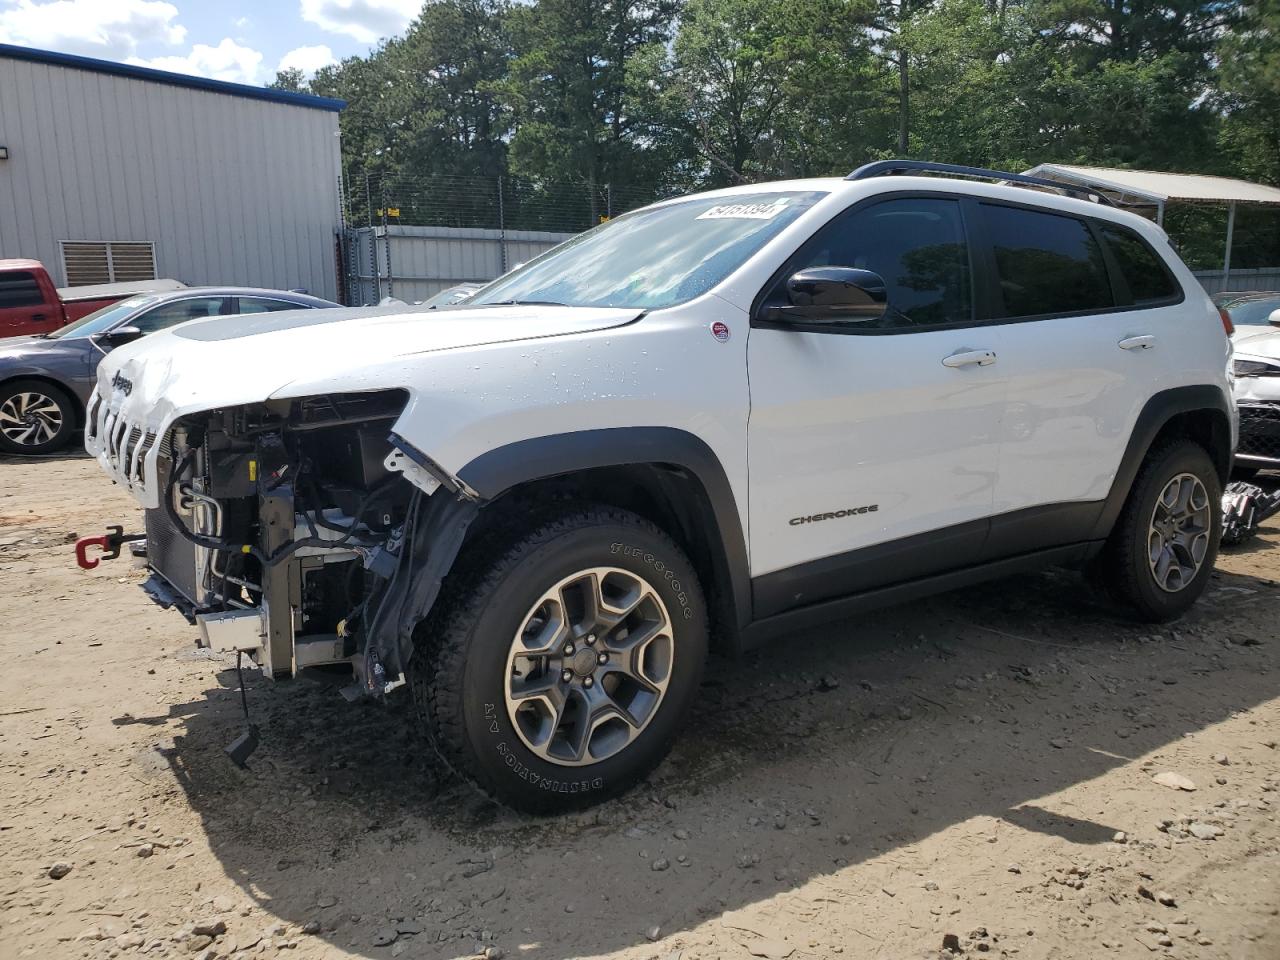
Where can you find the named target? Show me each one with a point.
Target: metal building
(111, 172)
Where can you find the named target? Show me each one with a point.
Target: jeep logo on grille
(123, 384)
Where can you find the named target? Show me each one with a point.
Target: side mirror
(1274, 318)
(832, 295)
(120, 336)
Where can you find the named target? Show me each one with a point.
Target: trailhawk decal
(834, 515)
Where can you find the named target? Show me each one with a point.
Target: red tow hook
(109, 544)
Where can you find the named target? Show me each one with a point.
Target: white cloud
(365, 20)
(227, 61)
(307, 59)
(97, 28)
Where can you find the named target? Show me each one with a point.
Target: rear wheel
(35, 417)
(559, 674)
(1161, 554)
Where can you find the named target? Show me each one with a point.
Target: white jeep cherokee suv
(710, 421)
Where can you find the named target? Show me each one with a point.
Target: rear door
(26, 307)
(1082, 351)
(872, 446)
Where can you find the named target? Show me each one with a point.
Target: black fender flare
(1160, 409)
(538, 458)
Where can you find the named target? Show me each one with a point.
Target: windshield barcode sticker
(745, 211)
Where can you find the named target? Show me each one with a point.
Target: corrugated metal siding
(1248, 279)
(231, 190)
(421, 261)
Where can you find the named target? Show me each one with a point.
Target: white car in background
(1257, 381)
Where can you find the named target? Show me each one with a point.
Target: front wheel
(1161, 554)
(560, 674)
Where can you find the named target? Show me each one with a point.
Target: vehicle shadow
(825, 750)
(73, 451)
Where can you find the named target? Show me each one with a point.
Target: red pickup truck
(30, 304)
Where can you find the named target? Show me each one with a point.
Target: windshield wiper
(520, 303)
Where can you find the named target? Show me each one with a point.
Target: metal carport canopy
(1154, 188)
(1157, 188)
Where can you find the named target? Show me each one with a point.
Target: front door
(872, 446)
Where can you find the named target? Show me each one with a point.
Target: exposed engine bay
(304, 532)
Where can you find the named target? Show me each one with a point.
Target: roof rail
(884, 168)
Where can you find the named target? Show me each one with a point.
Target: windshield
(656, 257)
(1253, 313)
(103, 319)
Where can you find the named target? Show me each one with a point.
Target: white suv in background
(713, 420)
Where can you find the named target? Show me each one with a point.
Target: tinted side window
(166, 315)
(1148, 278)
(18, 288)
(258, 305)
(1046, 263)
(917, 246)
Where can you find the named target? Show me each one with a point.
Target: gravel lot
(978, 774)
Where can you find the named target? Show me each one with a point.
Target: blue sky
(236, 40)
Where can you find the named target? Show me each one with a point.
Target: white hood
(230, 361)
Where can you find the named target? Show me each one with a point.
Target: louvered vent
(86, 262)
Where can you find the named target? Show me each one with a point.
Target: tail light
(1227, 325)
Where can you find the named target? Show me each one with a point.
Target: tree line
(671, 95)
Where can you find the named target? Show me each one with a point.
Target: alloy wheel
(30, 419)
(589, 666)
(1178, 535)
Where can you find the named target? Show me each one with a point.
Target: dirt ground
(975, 775)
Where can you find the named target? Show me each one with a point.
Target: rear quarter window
(1143, 270)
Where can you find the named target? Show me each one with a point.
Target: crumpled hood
(229, 361)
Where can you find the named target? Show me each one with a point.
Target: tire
(1185, 560)
(477, 665)
(35, 417)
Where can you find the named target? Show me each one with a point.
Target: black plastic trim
(803, 618)
(540, 458)
(867, 568)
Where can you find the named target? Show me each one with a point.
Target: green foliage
(663, 96)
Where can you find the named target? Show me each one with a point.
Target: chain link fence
(411, 237)
(492, 203)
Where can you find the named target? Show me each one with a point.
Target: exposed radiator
(172, 556)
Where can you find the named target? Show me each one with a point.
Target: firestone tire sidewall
(514, 772)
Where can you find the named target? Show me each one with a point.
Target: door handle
(38, 316)
(1145, 342)
(968, 358)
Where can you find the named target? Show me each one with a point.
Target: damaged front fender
(435, 528)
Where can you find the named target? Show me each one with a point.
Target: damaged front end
(298, 532)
